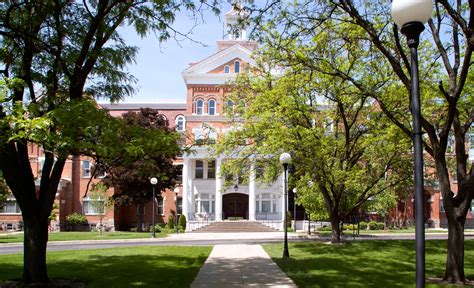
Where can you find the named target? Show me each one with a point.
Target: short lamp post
(153, 182)
(176, 191)
(410, 16)
(285, 159)
(294, 209)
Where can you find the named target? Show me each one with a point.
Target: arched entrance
(235, 206)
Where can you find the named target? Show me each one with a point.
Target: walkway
(240, 265)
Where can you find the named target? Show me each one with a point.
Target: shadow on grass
(101, 268)
(388, 263)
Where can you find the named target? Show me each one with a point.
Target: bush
(373, 225)
(76, 219)
(363, 225)
(325, 228)
(380, 225)
(349, 227)
(170, 224)
(182, 222)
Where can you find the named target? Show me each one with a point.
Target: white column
(218, 198)
(252, 193)
(187, 192)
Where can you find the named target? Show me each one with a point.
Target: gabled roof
(201, 69)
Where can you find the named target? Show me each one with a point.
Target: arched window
(199, 106)
(226, 69)
(180, 123)
(237, 67)
(211, 107)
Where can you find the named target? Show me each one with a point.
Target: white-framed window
(199, 138)
(212, 137)
(265, 203)
(199, 170)
(180, 123)
(226, 69)
(160, 207)
(205, 203)
(211, 169)
(236, 67)
(93, 206)
(10, 207)
(86, 169)
(180, 205)
(179, 168)
(205, 169)
(199, 106)
(211, 107)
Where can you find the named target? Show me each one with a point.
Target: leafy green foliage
(170, 224)
(3, 190)
(76, 219)
(182, 222)
(344, 151)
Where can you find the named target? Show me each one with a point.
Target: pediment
(219, 59)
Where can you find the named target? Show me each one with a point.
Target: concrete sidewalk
(240, 265)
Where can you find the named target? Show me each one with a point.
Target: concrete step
(235, 227)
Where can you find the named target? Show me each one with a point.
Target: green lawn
(363, 263)
(153, 266)
(66, 236)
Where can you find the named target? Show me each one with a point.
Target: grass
(363, 263)
(67, 236)
(147, 266)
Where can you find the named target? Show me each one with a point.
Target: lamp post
(294, 209)
(285, 159)
(410, 16)
(176, 191)
(153, 182)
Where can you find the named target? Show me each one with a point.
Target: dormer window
(211, 107)
(199, 106)
(237, 67)
(226, 69)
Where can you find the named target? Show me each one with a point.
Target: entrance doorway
(235, 206)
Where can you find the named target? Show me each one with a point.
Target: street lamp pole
(153, 182)
(410, 15)
(285, 159)
(294, 209)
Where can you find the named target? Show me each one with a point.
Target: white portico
(206, 198)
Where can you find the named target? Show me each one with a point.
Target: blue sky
(159, 66)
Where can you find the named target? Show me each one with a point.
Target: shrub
(380, 225)
(363, 225)
(373, 225)
(325, 228)
(170, 224)
(349, 226)
(76, 219)
(182, 222)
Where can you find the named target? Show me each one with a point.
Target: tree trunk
(454, 272)
(335, 228)
(34, 257)
(141, 208)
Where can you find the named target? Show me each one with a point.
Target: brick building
(201, 196)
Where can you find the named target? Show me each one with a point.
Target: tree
(100, 202)
(58, 54)
(343, 147)
(447, 97)
(130, 173)
(3, 191)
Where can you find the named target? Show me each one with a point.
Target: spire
(233, 22)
